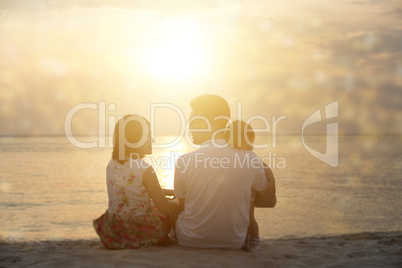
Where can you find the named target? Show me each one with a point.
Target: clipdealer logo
(330, 156)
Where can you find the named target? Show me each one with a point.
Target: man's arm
(169, 192)
(179, 191)
(181, 201)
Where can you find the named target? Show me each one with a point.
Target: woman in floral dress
(132, 220)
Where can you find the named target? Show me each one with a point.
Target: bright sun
(179, 53)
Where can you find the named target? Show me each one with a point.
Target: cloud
(394, 11)
(350, 52)
(22, 5)
(272, 57)
(170, 6)
(389, 96)
(369, 44)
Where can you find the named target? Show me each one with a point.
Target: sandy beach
(353, 250)
(159, 85)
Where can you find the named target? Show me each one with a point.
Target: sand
(354, 250)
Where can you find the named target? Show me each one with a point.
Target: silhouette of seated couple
(216, 187)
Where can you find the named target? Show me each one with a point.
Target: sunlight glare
(179, 54)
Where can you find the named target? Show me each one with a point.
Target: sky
(266, 58)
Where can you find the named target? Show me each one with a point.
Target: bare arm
(155, 191)
(181, 200)
(267, 198)
(270, 178)
(168, 192)
(178, 183)
(271, 186)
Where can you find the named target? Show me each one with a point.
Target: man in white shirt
(214, 183)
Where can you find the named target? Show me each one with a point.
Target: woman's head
(132, 137)
(240, 135)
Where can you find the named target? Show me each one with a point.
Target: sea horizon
(51, 190)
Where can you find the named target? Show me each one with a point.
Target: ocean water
(51, 190)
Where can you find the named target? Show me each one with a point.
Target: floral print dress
(131, 220)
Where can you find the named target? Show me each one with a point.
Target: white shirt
(216, 184)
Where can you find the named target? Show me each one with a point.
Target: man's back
(216, 185)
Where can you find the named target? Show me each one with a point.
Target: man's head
(209, 117)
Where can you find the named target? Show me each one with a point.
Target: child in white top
(138, 213)
(242, 136)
